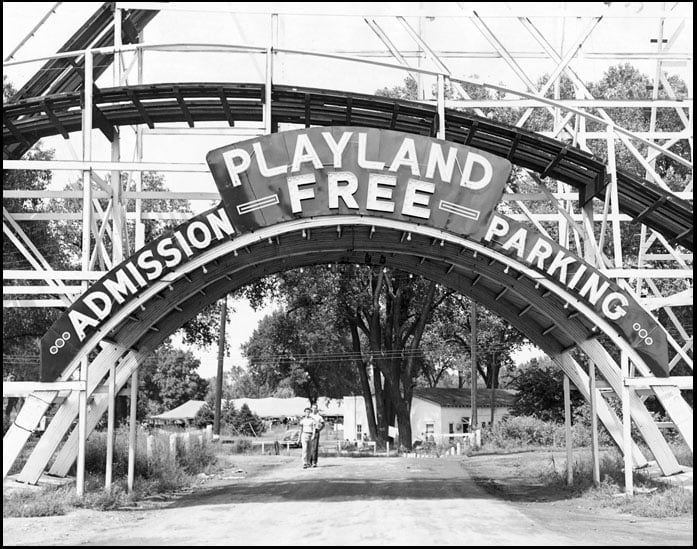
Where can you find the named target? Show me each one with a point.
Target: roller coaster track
(66, 74)
(28, 120)
(52, 102)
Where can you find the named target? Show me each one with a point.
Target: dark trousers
(314, 449)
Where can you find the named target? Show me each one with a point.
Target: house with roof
(181, 416)
(437, 414)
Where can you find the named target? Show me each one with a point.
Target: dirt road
(345, 501)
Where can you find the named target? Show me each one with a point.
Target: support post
(441, 106)
(108, 474)
(568, 435)
(473, 345)
(173, 448)
(86, 226)
(117, 213)
(149, 447)
(219, 375)
(594, 426)
(269, 79)
(494, 368)
(132, 431)
(626, 428)
(140, 226)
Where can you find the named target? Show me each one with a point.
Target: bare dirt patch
(519, 479)
(271, 500)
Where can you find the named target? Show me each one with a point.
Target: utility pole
(219, 376)
(494, 368)
(473, 345)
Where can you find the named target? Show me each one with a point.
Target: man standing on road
(319, 425)
(307, 431)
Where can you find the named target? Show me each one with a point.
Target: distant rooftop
(462, 398)
(289, 407)
(186, 411)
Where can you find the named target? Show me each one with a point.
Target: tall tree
(303, 350)
(539, 385)
(169, 379)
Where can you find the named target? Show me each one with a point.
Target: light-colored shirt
(319, 421)
(307, 426)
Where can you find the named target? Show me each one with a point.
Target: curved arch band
(134, 331)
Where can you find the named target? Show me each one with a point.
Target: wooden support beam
(525, 310)
(471, 132)
(23, 388)
(54, 119)
(681, 382)
(141, 109)
(553, 163)
(651, 207)
(226, 108)
(514, 146)
(395, 115)
(308, 99)
(183, 106)
(14, 131)
(101, 122)
(501, 294)
(34, 408)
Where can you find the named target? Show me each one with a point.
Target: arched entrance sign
(420, 183)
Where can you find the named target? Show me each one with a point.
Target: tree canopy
(169, 379)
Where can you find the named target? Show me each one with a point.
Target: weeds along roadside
(156, 475)
(652, 498)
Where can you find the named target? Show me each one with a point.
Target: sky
(298, 30)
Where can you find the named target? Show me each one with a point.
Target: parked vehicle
(292, 437)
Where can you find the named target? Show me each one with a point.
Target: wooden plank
(68, 453)
(606, 415)
(34, 408)
(66, 414)
(679, 411)
(642, 418)
(681, 382)
(49, 441)
(23, 388)
(65, 459)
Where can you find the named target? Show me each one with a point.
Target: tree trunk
(404, 426)
(365, 382)
(380, 409)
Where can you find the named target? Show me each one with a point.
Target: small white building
(436, 414)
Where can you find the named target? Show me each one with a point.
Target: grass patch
(651, 498)
(157, 475)
(45, 502)
(59, 500)
(663, 502)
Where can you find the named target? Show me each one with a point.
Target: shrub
(240, 446)
(205, 416)
(248, 423)
(539, 391)
(522, 431)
